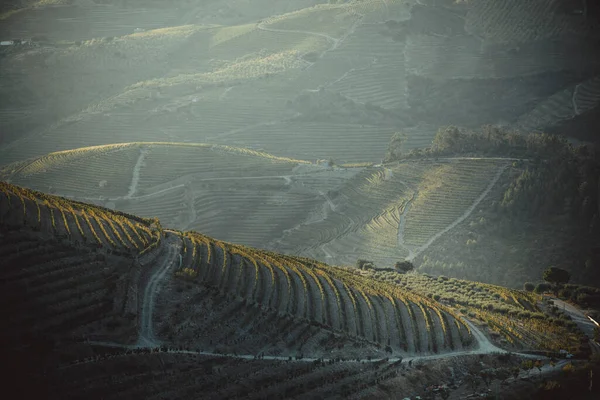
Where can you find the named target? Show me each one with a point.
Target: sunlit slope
(231, 193)
(79, 222)
(386, 214)
(515, 317)
(445, 194)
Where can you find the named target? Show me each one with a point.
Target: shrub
(542, 288)
(528, 286)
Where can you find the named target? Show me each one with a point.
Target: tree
(542, 288)
(556, 275)
(396, 147)
(404, 266)
(528, 286)
(364, 264)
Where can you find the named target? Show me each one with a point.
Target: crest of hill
(69, 158)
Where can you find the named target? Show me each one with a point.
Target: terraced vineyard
(445, 194)
(87, 22)
(79, 222)
(514, 316)
(52, 290)
(225, 304)
(563, 106)
(523, 21)
(186, 376)
(325, 136)
(386, 214)
(310, 293)
(271, 193)
(331, 297)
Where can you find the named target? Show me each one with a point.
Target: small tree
(364, 264)
(528, 286)
(404, 266)
(396, 147)
(556, 275)
(542, 288)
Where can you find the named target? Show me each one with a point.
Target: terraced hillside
(219, 75)
(307, 298)
(206, 187)
(293, 301)
(382, 213)
(389, 213)
(333, 298)
(199, 296)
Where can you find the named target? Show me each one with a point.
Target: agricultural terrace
(53, 290)
(211, 83)
(82, 223)
(563, 105)
(331, 297)
(187, 373)
(210, 188)
(93, 171)
(517, 21)
(377, 75)
(446, 193)
(86, 21)
(385, 214)
(307, 139)
(514, 317)
(332, 20)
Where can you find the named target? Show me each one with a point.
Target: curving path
(146, 336)
(460, 219)
(135, 178)
(484, 347)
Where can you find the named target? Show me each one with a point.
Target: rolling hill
(227, 75)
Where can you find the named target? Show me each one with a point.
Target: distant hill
(208, 72)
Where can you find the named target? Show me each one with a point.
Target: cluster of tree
(400, 266)
(556, 280)
(488, 140)
(554, 182)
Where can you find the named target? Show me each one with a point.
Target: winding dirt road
(146, 337)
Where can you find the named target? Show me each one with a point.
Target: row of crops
(51, 288)
(514, 316)
(183, 375)
(79, 222)
(444, 194)
(517, 21)
(332, 297)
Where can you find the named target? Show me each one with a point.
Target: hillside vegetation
(331, 298)
(74, 273)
